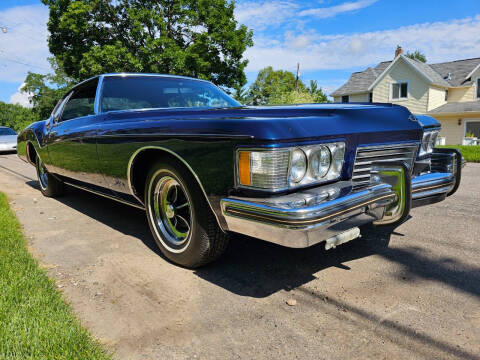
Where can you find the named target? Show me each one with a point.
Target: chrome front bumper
(328, 212)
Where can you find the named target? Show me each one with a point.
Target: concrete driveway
(411, 293)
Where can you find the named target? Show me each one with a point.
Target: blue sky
(329, 38)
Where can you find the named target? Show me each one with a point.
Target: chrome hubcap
(172, 211)
(42, 174)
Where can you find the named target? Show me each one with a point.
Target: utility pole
(296, 77)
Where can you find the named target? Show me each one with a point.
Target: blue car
(202, 165)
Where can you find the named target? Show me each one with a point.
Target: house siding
(453, 132)
(359, 97)
(418, 88)
(461, 94)
(436, 97)
(353, 98)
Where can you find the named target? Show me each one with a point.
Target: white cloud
(21, 98)
(331, 11)
(260, 15)
(440, 41)
(263, 15)
(24, 46)
(297, 41)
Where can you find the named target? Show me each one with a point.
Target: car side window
(57, 111)
(82, 101)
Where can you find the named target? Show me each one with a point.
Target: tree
(278, 87)
(198, 38)
(272, 84)
(46, 90)
(16, 116)
(417, 55)
(241, 94)
(318, 95)
(293, 97)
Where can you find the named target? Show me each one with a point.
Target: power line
(25, 63)
(21, 62)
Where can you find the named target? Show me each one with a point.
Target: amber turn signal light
(244, 168)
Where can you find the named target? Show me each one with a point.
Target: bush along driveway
(471, 153)
(35, 321)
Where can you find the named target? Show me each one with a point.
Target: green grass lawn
(35, 321)
(471, 153)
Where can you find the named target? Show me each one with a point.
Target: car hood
(8, 139)
(362, 123)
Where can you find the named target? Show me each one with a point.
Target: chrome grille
(366, 155)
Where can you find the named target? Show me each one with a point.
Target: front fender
(31, 142)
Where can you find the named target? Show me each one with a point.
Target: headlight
(298, 165)
(320, 161)
(338, 155)
(285, 168)
(428, 142)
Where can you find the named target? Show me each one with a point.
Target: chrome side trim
(128, 74)
(189, 135)
(105, 195)
(132, 190)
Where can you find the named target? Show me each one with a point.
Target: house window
(478, 88)
(370, 97)
(446, 95)
(472, 132)
(399, 90)
(345, 99)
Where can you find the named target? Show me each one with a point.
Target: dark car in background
(202, 165)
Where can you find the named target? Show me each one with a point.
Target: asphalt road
(409, 294)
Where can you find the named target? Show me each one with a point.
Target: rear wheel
(49, 185)
(180, 219)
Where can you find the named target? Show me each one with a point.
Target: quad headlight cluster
(284, 168)
(428, 142)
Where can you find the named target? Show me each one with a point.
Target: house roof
(359, 82)
(437, 74)
(435, 77)
(460, 71)
(457, 107)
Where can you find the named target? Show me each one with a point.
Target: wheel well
(141, 163)
(31, 153)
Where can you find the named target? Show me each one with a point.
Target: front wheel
(179, 217)
(49, 185)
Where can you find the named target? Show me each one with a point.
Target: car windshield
(7, 131)
(146, 92)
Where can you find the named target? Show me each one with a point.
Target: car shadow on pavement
(109, 212)
(255, 268)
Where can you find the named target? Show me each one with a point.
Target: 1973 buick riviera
(202, 165)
